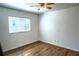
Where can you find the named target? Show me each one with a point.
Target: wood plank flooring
(41, 49)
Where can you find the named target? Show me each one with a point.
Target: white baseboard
(57, 44)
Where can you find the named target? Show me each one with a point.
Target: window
(18, 24)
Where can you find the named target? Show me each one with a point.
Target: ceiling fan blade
(31, 6)
(49, 7)
(50, 3)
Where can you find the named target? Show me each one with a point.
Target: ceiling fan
(43, 5)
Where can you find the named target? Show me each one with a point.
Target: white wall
(11, 41)
(61, 28)
(56, 27)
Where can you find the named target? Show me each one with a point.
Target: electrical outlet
(55, 40)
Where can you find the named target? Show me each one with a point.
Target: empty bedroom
(39, 29)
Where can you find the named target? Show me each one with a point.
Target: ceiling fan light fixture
(46, 6)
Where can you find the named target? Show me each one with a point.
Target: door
(1, 53)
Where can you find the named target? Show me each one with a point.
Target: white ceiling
(26, 6)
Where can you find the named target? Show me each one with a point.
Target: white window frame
(20, 27)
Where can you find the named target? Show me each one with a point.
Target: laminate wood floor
(41, 49)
